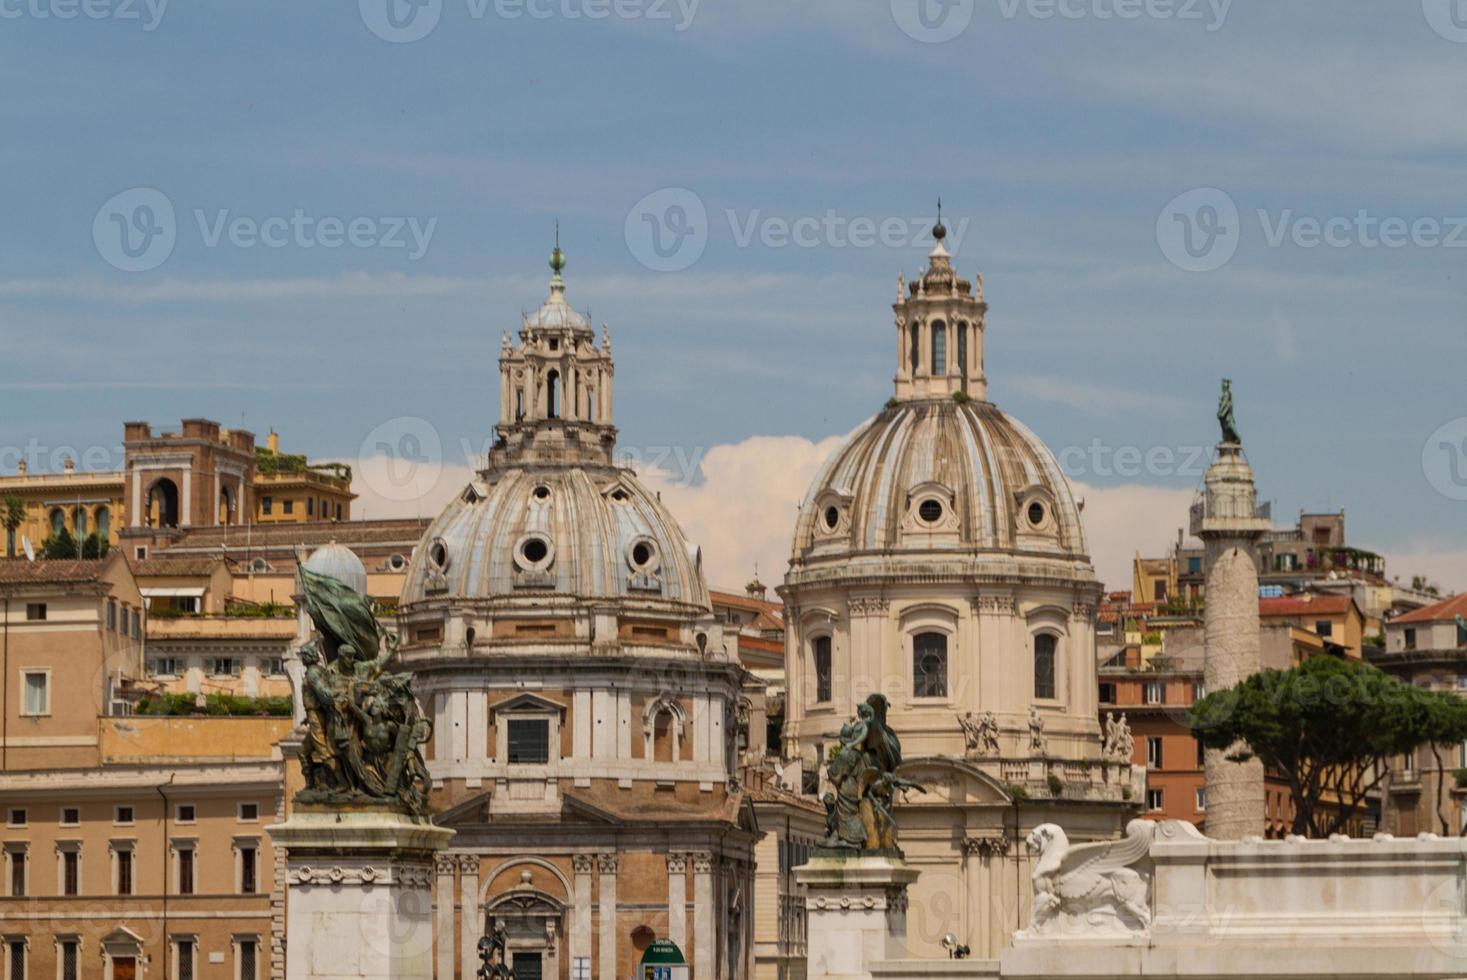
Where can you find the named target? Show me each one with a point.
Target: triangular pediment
(529, 702)
(471, 812)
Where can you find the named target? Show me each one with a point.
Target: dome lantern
(940, 324)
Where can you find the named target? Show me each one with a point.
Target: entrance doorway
(527, 966)
(124, 968)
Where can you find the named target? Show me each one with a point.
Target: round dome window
(534, 550)
(930, 510)
(1037, 513)
(397, 563)
(438, 554)
(832, 517)
(643, 555)
(542, 492)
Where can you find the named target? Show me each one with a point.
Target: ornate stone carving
(1119, 744)
(364, 728)
(1084, 612)
(869, 606)
(995, 844)
(996, 605)
(677, 864)
(1038, 744)
(606, 864)
(444, 864)
(980, 732)
(581, 864)
(468, 863)
(1091, 889)
(702, 862)
(411, 876)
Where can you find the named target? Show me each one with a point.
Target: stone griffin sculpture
(1226, 417)
(363, 726)
(1091, 888)
(864, 783)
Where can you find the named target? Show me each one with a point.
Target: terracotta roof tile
(165, 566)
(1446, 610)
(18, 571)
(1305, 605)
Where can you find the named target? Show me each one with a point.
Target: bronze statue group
(863, 782)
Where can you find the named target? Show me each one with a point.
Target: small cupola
(940, 323)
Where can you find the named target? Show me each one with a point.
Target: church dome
(939, 475)
(594, 533)
(341, 563)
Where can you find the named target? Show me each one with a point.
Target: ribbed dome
(590, 533)
(341, 563)
(940, 475)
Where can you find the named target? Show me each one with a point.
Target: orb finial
(939, 230)
(557, 257)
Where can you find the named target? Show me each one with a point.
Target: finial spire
(557, 257)
(939, 230)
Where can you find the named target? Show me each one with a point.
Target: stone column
(703, 913)
(856, 907)
(471, 920)
(443, 868)
(677, 899)
(580, 938)
(1226, 520)
(606, 874)
(359, 893)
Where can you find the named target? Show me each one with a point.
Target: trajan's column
(1226, 519)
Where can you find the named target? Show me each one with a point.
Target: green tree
(60, 546)
(12, 515)
(1329, 727)
(95, 546)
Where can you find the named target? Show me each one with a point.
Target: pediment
(952, 782)
(471, 812)
(529, 702)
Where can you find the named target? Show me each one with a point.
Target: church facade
(588, 710)
(939, 559)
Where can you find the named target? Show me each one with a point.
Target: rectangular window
(338, 512)
(186, 870)
(1153, 752)
(70, 872)
(37, 692)
(929, 665)
(70, 950)
(222, 666)
(247, 869)
(1155, 693)
(249, 812)
(529, 741)
(1046, 646)
(265, 504)
(1107, 693)
(1324, 628)
(166, 666)
(17, 871)
(275, 666)
(17, 959)
(1201, 799)
(17, 817)
(310, 506)
(35, 610)
(1194, 566)
(122, 815)
(1154, 799)
(823, 669)
(287, 506)
(185, 951)
(186, 813)
(137, 624)
(70, 816)
(112, 615)
(247, 959)
(1410, 638)
(124, 871)
(1201, 755)
(1199, 691)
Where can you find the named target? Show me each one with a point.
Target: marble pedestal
(856, 912)
(358, 894)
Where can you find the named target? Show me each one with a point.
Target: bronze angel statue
(364, 729)
(863, 780)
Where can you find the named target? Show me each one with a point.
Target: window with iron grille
(823, 685)
(17, 872)
(247, 870)
(1045, 646)
(17, 959)
(69, 951)
(929, 665)
(124, 872)
(247, 959)
(70, 872)
(185, 959)
(185, 870)
(529, 741)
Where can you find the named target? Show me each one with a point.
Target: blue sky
(1058, 143)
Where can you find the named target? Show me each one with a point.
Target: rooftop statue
(1225, 416)
(864, 783)
(364, 728)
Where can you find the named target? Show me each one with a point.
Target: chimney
(21, 467)
(272, 442)
(69, 465)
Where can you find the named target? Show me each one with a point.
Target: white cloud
(1445, 569)
(1120, 521)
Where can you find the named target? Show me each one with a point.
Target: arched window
(662, 737)
(916, 348)
(552, 395)
(929, 665)
(104, 523)
(163, 503)
(939, 349)
(79, 522)
(226, 506)
(963, 349)
(821, 647)
(58, 521)
(1045, 645)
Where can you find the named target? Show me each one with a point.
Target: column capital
(468, 864)
(702, 862)
(606, 864)
(677, 863)
(444, 864)
(582, 864)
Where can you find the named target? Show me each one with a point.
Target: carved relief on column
(996, 605)
(869, 606)
(991, 844)
(606, 864)
(1084, 612)
(677, 863)
(581, 864)
(702, 862)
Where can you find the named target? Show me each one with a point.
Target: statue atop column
(864, 783)
(364, 728)
(1226, 417)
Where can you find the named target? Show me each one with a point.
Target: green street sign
(664, 961)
